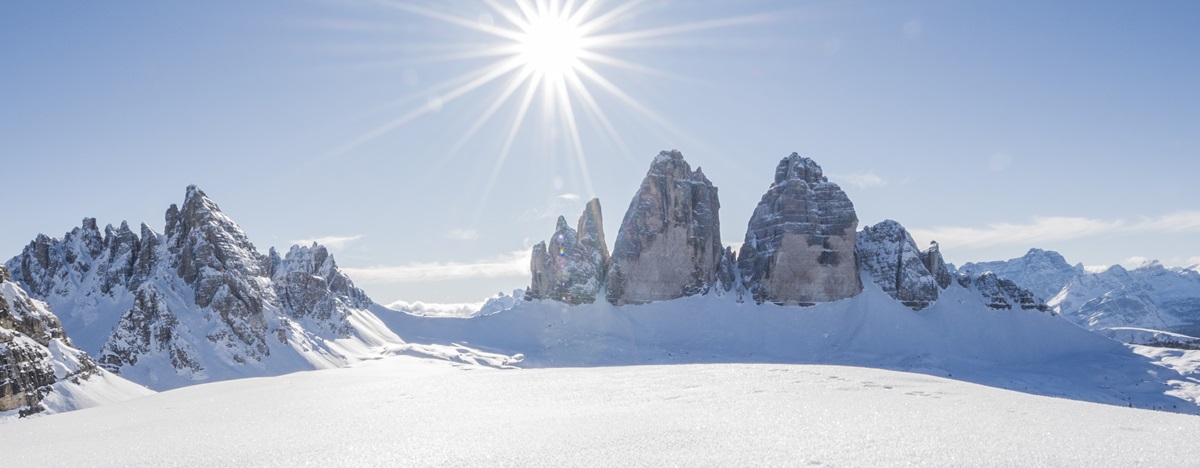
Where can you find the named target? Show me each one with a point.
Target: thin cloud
(1049, 229)
(868, 179)
(461, 310)
(512, 265)
(463, 234)
(332, 242)
(569, 197)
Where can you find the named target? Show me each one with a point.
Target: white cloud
(569, 197)
(514, 264)
(464, 309)
(332, 242)
(866, 179)
(1180, 221)
(1134, 262)
(463, 234)
(1049, 229)
(1040, 230)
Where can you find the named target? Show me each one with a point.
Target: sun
(559, 53)
(550, 45)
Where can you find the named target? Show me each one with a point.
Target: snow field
(405, 411)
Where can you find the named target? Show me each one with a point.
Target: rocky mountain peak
(591, 231)
(669, 243)
(1044, 272)
(571, 267)
(796, 167)
(800, 241)
(890, 258)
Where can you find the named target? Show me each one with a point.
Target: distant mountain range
(1150, 296)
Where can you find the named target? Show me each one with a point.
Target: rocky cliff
(669, 243)
(890, 258)
(800, 241)
(1002, 294)
(35, 352)
(932, 258)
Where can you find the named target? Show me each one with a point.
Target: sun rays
(549, 56)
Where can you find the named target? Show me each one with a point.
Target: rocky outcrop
(891, 259)
(196, 303)
(800, 242)
(669, 243)
(1002, 294)
(572, 267)
(936, 265)
(35, 353)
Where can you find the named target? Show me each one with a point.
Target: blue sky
(991, 126)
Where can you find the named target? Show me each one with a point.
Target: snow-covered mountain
(1044, 272)
(1149, 296)
(41, 371)
(198, 302)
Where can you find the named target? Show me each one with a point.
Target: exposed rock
(1002, 294)
(572, 268)
(800, 242)
(669, 243)
(309, 285)
(35, 353)
(932, 258)
(890, 258)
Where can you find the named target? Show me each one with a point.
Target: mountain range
(199, 303)
(1150, 296)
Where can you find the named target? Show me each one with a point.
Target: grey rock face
(889, 256)
(932, 258)
(800, 242)
(669, 243)
(34, 351)
(1002, 294)
(572, 267)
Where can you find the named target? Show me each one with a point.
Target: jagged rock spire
(669, 243)
(571, 268)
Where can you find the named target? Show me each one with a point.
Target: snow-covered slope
(40, 369)
(199, 303)
(959, 336)
(406, 412)
(1150, 296)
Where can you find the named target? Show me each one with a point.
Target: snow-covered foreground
(406, 411)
